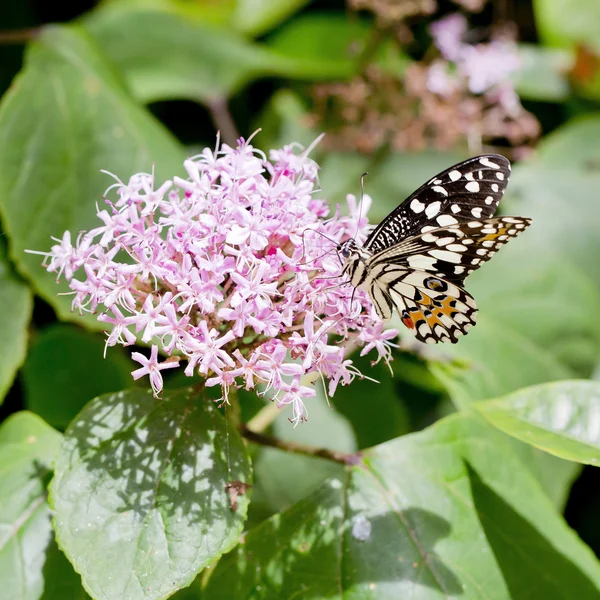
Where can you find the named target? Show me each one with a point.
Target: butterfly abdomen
(356, 269)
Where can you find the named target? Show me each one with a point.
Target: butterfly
(417, 258)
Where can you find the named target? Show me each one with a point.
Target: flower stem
(264, 417)
(18, 36)
(233, 411)
(265, 440)
(223, 121)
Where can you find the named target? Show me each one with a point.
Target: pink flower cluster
(233, 270)
(484, 68)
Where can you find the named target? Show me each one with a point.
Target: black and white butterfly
(418, 257)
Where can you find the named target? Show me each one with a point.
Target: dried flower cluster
(229, 270)
(390, 12)
(466, 93)
(393, 12)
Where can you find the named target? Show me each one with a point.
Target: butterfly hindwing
(434, 315)
(422, 276)
(468, 190)
(443, 319)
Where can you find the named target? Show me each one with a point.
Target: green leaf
(331, 46)
(165, 56)
(323, 46)
(561, 418)
(66, 117)
(533, 296)
(495, 360)
(65, 368)
(391, 179)
(284, 120)
(27, 449)
(60, 580)
(449, 512)
(140, 492)
(255, 17)
(568, 22)
(572, 147)
(16, 305)
(374, 408)
(543, 73)
(283, 478)
(558, 189)
(518, 341)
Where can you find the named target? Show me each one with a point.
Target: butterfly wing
(468, 190)
(441, 315)
(422, 275)
(452, 252)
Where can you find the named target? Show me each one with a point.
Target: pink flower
(151, 367)
(439, 79)
(488, 65)
(483, 69)
(448, 35)
(228, 269)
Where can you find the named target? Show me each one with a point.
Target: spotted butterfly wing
(417, 258)
(468, 190)
(422, 276)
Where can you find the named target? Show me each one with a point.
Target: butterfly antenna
(335, 244)
(360, 202)
(332, 287)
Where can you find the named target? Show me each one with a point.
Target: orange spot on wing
(408, 322)
(492, 236)
(446, 308)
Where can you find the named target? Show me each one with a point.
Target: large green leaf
(543, 73)
(16, 304)
(322, 45)
(495, 361)
(568, 22)
(166, 56)
(66, 117)
(449, 512)
(562, 418)
(283, 478)
(141, 492)
(27, 449)
(256, 17)
(65, 368)
(372, 406)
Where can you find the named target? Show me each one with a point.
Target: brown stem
(221, 117)
(265, 440)
(18, 36)
(233, 411)
(377, 36)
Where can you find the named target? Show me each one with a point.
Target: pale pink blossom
(230, 272)
(152, 368)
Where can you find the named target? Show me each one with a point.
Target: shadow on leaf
(174, 452)
(531, 566)
(318, 549)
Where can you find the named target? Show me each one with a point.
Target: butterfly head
(347, 248)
